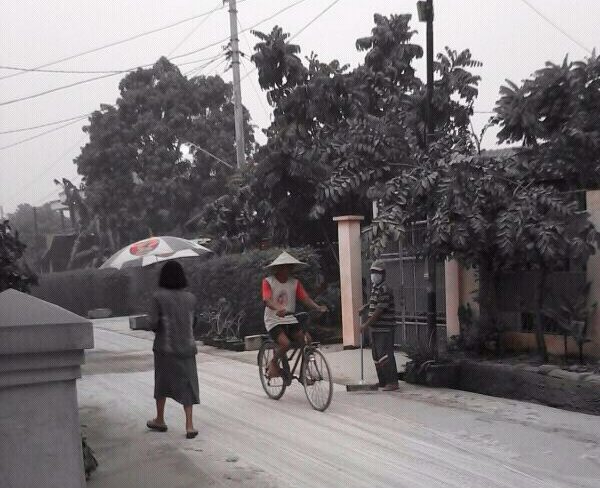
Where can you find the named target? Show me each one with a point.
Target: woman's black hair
(172, 276)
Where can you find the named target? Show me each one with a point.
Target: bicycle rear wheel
(316, 378)
(274, 387)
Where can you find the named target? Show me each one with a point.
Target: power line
(45, 170)
(193, 144)
(320, 14)
(200, 24)
(83, 71)
(256, 92)
(88, 80)
(226, 39)
(205, 65)
(48, 124)
(557, 27)
(22, 141)
(72, 120)
(61, 71)
(58, 88)
(267, 113)
(116, 43)
(71, 85)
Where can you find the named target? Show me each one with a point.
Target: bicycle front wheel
(316, 378)
(274, 387)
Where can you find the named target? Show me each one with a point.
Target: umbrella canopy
(154, 250)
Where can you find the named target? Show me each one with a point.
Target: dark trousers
(382, 347)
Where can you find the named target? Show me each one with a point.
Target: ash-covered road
(417, 438)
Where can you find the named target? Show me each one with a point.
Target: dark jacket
(172, 314)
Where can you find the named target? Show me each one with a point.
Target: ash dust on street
(415, 438)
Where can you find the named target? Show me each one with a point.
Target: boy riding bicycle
(280, 292)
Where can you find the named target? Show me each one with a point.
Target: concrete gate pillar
(350, 276)
(41, 352)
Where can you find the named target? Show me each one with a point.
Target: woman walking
(175, 374)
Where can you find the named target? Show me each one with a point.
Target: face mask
(376, 278)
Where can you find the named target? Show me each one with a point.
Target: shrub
(85, 289)
(236, 278)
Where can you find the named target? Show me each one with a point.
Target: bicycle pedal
(287, 378)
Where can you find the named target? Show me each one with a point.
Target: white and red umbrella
(154, 250)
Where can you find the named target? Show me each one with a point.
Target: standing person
(382, 322)
(175, 373)
(280, 291)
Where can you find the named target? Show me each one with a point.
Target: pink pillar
(453, 297)
(350, 276)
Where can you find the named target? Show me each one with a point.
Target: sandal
(273, 371)
(152, 425)
(190, 434)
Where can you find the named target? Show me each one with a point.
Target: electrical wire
(242, 62)
(116, 43)
(48, 124)
(61, 71)
(95, 78)
(226, 39)
(319, 15)
(58, 88)
(106, 71)
(557, 27)
(205, 65)
(256, 92)
(23, 141)
(77, 118)
(200, 24)
(44, 170)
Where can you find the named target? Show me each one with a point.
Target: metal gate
(406, 276)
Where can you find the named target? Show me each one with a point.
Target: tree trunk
(539, 324)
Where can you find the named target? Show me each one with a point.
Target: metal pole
(429, 134)
(237, 89)
(36, 237)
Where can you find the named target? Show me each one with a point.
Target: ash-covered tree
(387, 136)
(137, 179)
(14, 272)
(488, 217)
(48, 223)
(554, 115)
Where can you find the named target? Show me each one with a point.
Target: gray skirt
(176, 377)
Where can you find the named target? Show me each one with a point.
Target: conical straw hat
(286, 259)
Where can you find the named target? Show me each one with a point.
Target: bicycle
(315, 374)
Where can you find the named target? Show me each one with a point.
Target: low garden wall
(546, 384)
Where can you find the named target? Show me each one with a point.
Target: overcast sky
(508, 36)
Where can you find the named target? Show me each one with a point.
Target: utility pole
(425, 10)
(237, 89)
(62, 220)
(36, 236)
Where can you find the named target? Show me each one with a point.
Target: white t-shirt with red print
(285, 294)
